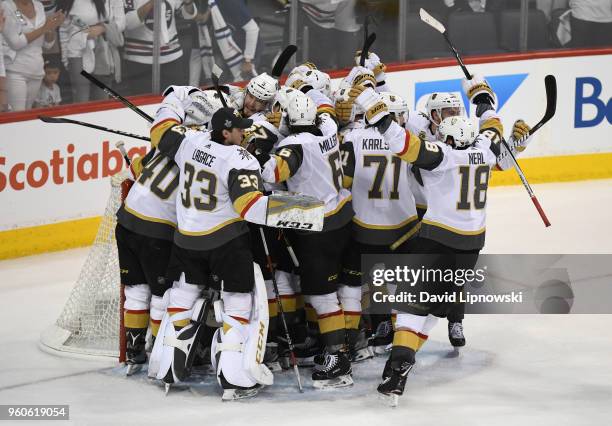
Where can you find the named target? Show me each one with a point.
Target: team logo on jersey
(504, 87)
(244, 154)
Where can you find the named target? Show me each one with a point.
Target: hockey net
(90, 321)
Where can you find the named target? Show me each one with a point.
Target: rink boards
(54, 177)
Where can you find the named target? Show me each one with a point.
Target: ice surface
(515, 370)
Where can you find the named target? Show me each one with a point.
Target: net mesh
(89, 323)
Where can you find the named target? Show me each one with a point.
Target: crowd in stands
(45, 44)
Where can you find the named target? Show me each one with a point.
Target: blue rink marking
(437, 364)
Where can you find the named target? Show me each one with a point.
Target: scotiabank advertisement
(59, 172)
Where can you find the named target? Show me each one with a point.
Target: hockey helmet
(441, 101)
(301, 111)
(460, 129)
(263, 87)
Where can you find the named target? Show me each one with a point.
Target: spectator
(49, 94)
(25, 32)
(84, 42)
(3, 101)
(591, 23)
(333, 29)
(139, 43)
(236, 35)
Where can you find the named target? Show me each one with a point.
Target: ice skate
(336, 372)
(392, 387)
(455, 334)
(382, 338)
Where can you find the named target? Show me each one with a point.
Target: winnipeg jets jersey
(455, 185)
(312, 165)
(382, 200)
(150, 207)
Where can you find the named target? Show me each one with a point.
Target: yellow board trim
(44, 238)
(81, 232)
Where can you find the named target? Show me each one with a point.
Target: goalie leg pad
(179, 347)
(238, 349)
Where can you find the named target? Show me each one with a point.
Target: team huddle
(255, 206)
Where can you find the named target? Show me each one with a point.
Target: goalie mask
(445, 105)
(396, 106)
(203, 105)
(460, 130)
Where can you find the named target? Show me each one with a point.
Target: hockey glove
(374, 64)
(478, 90)
(520, 130)
(375, 109)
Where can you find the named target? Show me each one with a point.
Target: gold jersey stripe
(382, 227)
(210, 231)
(282, 171)
(451, 229)
(149, 218)
(160, 128)
(136, 319)
(339, 206)
(411, 149)
(245, 201)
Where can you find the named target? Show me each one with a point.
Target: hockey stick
(47, 119)
(216, 75)
(110, 92)
(366, 47)
(281, 311)
(283, 60)
(121, 147)
(551, 98)
(437, 25)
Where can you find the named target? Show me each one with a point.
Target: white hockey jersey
(311, 165)
(455, 183)
(383, 202)
(150, 207)
(418, 124)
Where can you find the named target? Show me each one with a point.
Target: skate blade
(306, 362)
(236, 394)
(390, 400)
(338, 382)
(167, 387)
(274, 367)
(380, 350)
(133, 369)
(363, 355)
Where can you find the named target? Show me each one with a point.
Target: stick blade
(283, 60)
(48, 119)
(431, 21)
(366, 48)
(550, 82)
(217, 71)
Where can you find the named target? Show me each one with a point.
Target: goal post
(91, 321)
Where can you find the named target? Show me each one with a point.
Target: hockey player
(452, 231)
(220, 188)
(256, 98)
(384, 211)
(438, 107)
(308, 160)
(145, 227)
